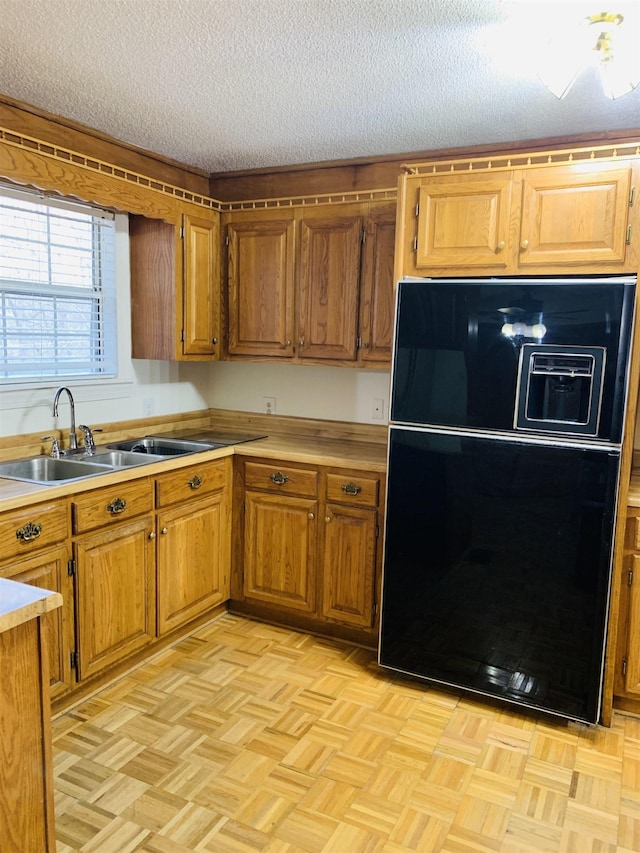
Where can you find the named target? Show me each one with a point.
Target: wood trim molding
(534, 159)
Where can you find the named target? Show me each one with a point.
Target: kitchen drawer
(283, 479)
(25, 531)
(196, 481)
(349, 489)
(634, 528)
(111, 505)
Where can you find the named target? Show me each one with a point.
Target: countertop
(20, 603)
(310, 450)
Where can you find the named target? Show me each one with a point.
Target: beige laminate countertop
(20, 603)
(315, 451)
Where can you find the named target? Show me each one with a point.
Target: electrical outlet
(269, 405)
(377, 408)
(148, 407)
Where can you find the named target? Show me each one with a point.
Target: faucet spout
(73, 438)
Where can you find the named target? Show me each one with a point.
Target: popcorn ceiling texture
(235, 84)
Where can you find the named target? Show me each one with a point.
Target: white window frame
(105, 314)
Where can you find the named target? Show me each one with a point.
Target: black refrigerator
(507, 411)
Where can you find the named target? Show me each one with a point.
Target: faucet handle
(88, 437)
(55, 446)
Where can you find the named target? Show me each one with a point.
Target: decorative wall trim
(561, 157)
(388, 194)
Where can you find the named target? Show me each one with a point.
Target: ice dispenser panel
(560, 389)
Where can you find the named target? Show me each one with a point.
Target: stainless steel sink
(46, 470)
(120, 458)
(159, 446)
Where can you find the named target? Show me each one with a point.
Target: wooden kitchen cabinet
(280, 536)
(175, 298)
(538, 220)
(193, 541)
(114, 569)
(310, 554)
(627, 668)
(312, 284)
(34, 550)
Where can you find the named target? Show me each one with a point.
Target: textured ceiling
(236, 84)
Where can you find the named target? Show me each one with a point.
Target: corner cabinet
(538, 220)
(312, 285)
(310, 549)
(175, 293)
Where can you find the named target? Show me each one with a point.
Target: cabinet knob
(500, 246)
(117, 506)
(152, 535)
(301, 342)
(278, 478)
(29, 532)
(312, 515)
(164, 531)
(214, 340)
(195, 482)
(524, 245)
(287, 343)
(327, 518)
(351, 489)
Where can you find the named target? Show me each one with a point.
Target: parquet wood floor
(246, 737)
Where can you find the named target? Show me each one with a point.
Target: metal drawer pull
(29, 531)
(351, 489)
(117, 506)
(195, 482)
(278, 478)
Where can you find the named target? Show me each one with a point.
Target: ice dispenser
(560, 389)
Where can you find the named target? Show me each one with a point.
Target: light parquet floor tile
(251, 738)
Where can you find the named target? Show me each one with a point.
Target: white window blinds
(57, 289)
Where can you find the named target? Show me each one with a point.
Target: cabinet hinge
(628, 234)
(363, 236)
(71, 568)
(415, 243)
(629, 577)
(358, 343)
(377, 530)
(624, 666)
(182, 232)
(181, 335)
(73, 660)
(374, 610)
(632, 196)
(417, 210)
(226, 240)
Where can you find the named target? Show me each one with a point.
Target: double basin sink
(47, 470)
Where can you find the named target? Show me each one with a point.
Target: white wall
(328, 393)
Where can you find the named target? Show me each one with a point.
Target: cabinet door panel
(632, 676)
(115, 586)
(574, 217)
(463, 221)
(49, 571)
(376, 299)
(349, 565)
(261, 288)
(201, 302)
(329, 282)
(193, 560)
(279, 550)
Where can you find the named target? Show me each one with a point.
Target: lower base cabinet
(627, 666)
(115, 590)
(310, 552)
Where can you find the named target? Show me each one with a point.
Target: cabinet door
(376, 289)
(280, 551)
(115, 588)
(49, 571)
(201, 291)
(463, 221)
(261, 288)
(193, 554)
(632, 674)
(329, 284)
(575, 215)
(349, 565)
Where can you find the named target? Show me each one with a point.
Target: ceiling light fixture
(596, 42)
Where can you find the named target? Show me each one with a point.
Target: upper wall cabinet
(312, 284)
(539, 220)
(175, 298)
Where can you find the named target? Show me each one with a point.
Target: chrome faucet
(73, 438)
(89, 443)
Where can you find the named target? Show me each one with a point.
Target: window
(57, 289)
